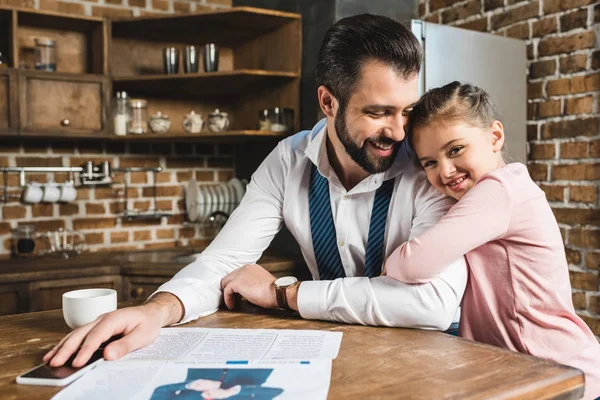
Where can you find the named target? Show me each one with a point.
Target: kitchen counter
(163, 263)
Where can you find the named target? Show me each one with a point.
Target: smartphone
(46, 375)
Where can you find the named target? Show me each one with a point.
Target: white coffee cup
(33, 193)
(67, 193)
(51, 193)
(80, 307)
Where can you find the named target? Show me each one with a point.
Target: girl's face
(456, 155)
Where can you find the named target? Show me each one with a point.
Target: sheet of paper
(145, 380)
(201, 345)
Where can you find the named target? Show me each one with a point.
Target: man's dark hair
(353, 41)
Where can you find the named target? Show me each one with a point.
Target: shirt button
(341, 243)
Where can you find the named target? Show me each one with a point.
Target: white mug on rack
(51, 193)
(67, 192)
(33, 193)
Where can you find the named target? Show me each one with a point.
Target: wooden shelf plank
(227, 136)
(227, 27)
(222, 83)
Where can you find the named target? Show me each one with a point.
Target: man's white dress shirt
(278, 194)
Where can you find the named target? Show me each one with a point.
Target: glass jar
(121, 114)
(3, 60)
(139, 116)
(264, 123)
(282, 119)
(24, 240)
(45, 54)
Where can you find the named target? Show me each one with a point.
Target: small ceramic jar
(159, 123)
(218, 121)
(193, 122)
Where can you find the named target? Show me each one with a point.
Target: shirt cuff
(311, 300)
(198, 298)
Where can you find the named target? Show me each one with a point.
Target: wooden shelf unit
(259, 67)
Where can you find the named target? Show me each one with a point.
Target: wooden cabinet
(47, 295)
(13, 298)
(9, 120)
(71, 104)
(140, 287)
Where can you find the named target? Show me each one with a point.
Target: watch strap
(281, 293)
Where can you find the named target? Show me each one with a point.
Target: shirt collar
(316, 151)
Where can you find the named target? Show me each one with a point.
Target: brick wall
(562, 129)
(96, 210)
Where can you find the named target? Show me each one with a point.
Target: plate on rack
(191, 199)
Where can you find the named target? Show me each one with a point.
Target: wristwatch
(281, 286)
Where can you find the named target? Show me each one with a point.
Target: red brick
(141, 205)
(535, 90)
(94, 223)
(538, 172)
(585, 83)
(163, 177)
(584, 280)
(164, 205)
(42, 226)
(94, 238)
(544, 27)
(520, 31)
(554, 6)
(557, 87)
(187, 232)
(515, 15)
(573, 256)
(571, 128)
(532, 132)
(554, 192)
(224, 176)
(574, 150)
(5, 228)
(577, 216)
(13, 212)
(95, 208)
(585, 238)
(540, 69)
(138, 177)
(593, 323)
(18, 3)
(543, 151)
(573, 20)
(595, 148)
(573, 63)
(547, 109)
(595, 304)
(68, 209)
(160, 245)
(147, 162)
(579, 105)
(596, 59)
(98, 11)
(163, 191)
(119, 237)
(184, 177)
(186, 162)
(162, 5)
(576, 172)
(204, 176)
(137, 3)
(492, 4)
(565, 44)
(140, 236)
(437, 4)
(530, 49)
(220, 2)
(42, 210)
(579, 301)
(39, 162)
(583, 194)
(165, 233)
(461, 11)
(592, 260)
(62, 7)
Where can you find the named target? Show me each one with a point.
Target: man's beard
(360, 155)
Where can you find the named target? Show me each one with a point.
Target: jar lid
(159, 115)
(25, 229)
(138, 103)
(217, 113)
(44, 41)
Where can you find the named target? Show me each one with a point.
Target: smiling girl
(518, 295)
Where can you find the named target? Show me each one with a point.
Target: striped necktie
(323, 231)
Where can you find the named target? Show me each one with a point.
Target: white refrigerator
(496, 64)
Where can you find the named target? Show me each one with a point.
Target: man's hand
(139, 326)
(253, 282)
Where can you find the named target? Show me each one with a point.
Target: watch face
(286, 281)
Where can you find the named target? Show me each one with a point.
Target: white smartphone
(45, 375)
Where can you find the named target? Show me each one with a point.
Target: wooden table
(373, 362)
